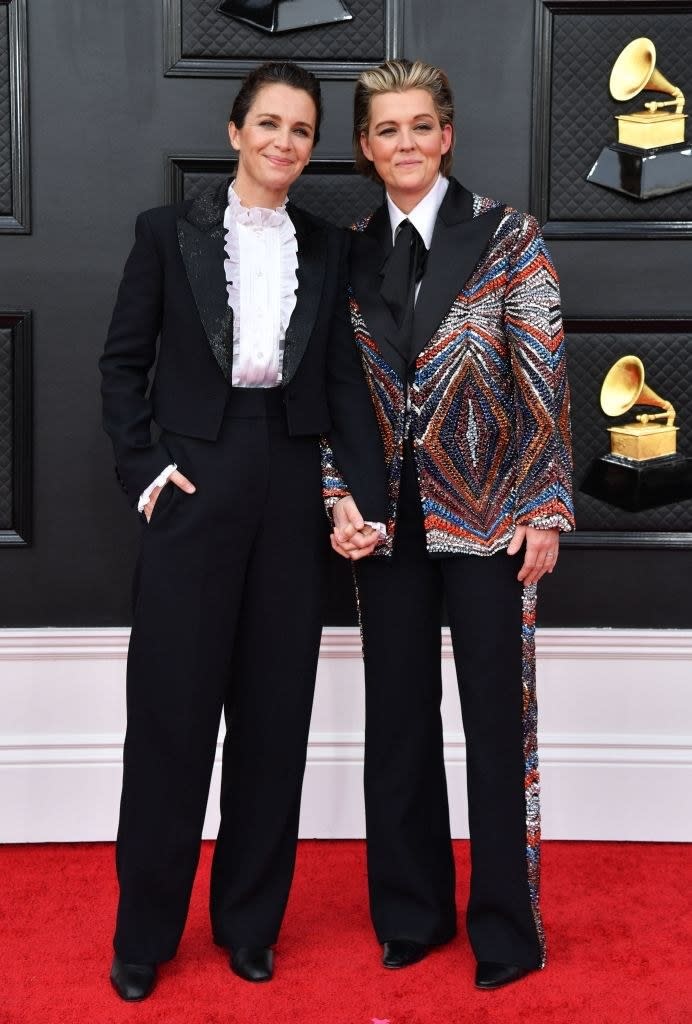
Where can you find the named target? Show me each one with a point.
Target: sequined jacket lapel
(201, 241)
(201, 238)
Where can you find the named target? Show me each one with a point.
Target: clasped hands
(352, 538)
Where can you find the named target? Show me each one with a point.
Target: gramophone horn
(624, 387)
(635, 70)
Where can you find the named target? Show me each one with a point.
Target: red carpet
(618, 919)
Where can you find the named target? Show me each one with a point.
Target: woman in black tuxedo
(254, 363)
(455, 310)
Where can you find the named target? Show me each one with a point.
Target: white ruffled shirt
(261, 279)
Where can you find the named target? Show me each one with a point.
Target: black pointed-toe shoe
(492, 975)
(253, 963)
(132, 981)
(403, 952)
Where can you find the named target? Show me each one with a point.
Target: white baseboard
(615, 740)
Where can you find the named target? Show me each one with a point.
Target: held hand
(361, 545)
(175, 478)
(351, 537)
(540, 557)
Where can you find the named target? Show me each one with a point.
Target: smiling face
(273, 145)
(406, 142)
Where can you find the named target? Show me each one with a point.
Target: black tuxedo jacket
(174, 288)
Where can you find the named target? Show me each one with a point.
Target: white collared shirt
(422, 216)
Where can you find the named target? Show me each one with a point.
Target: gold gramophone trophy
(650, 157)
(643, 469)
(647, 437)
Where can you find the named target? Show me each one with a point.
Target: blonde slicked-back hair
(399, 76)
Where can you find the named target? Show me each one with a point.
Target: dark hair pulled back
(283, 72)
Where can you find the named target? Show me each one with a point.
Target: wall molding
(347, 748)
(614, 763)
(76, 644)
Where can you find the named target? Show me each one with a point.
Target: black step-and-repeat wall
(109, 109)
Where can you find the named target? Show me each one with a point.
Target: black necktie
(403, 270)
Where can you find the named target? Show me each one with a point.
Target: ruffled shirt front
(261, 280)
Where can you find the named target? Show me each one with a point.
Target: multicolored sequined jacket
(484, 394)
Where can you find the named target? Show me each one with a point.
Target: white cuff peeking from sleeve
(161, 479)
(380, 527)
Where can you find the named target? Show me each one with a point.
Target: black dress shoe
(253, 963)
(132, 981)
(403, 952)
(492, 975)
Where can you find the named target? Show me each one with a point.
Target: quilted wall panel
(6, 428)
(667, 359)
(585, 46)
(338, 198)
(208, 34)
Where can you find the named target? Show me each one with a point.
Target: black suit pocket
(163, 503)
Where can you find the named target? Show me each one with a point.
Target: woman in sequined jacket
(466, 369)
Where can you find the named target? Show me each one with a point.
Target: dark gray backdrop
(102, 119)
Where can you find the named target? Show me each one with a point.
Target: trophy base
(274, 16)
(643, 173)
(642, 485)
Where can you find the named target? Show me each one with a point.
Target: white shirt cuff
(161, 479)
(380, 527)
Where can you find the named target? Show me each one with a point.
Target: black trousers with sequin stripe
(410, 862)
(227, 619)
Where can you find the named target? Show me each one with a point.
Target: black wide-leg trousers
(227, 618)
(410, 860)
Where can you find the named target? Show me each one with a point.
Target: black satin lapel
(311, 238)
(455, 252)
(203, 255)
(369, 250)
